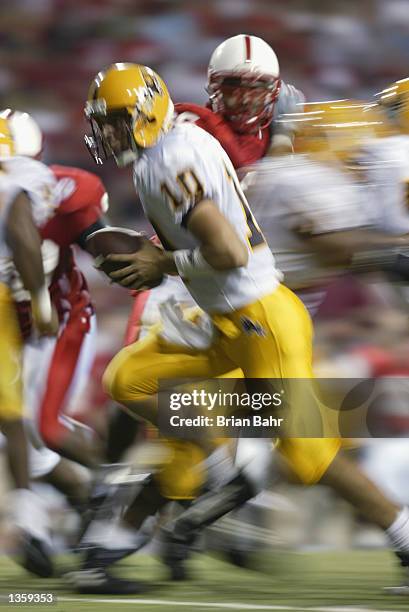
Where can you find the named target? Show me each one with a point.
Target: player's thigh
(309, 458)
(134, 372)
(274, 339)
(11, 404)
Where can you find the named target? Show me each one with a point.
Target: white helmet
(27, 136)
(244, 82)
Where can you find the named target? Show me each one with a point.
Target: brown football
(118, 241)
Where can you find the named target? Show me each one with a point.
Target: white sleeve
(384, 169)
(38, 181)
(8, 193)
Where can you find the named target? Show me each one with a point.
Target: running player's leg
(132, 377)
(279, 327)
(69, 363)
(318, 459)
(28, 513)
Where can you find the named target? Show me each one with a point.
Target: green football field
(321, 581)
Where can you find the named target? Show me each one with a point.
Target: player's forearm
(25, 244)
(364, 251)
(339, 248)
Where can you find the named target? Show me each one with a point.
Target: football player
(82, 203)
(315, 212)
(246, 96)
(193, 199)
(23, 209)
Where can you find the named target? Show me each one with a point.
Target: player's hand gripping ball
(127, 257)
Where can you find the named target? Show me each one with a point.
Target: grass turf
(300, 581)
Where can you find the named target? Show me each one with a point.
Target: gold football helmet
(337, 127)
(129, 108)
(7, 148)
(395, 101)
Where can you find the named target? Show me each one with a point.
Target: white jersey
(25, 174)
(293, 195)
(8, 192)
(385, 169)
(187, 166)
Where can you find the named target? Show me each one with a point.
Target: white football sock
(398, 532)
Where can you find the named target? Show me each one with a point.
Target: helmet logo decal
(151, 82)
(146, 95)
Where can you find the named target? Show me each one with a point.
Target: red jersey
(243, 149)
(83, 201)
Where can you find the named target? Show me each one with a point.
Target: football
(118, 241)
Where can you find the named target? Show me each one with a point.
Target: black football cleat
(35, 557)
(181, 534)
(175, 552)
(98, 581)
(238, 557)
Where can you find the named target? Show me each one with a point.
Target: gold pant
(11, 403)
(271, 338)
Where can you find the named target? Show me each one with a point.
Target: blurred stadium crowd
(50, 50)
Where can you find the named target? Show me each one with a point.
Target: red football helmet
(244, 82)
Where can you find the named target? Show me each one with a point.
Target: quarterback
(193, 199)
(191, 195)
(246, 96)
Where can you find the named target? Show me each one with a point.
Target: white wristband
(43, 304)
(191, 263)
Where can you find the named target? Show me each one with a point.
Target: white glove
(178, 330)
